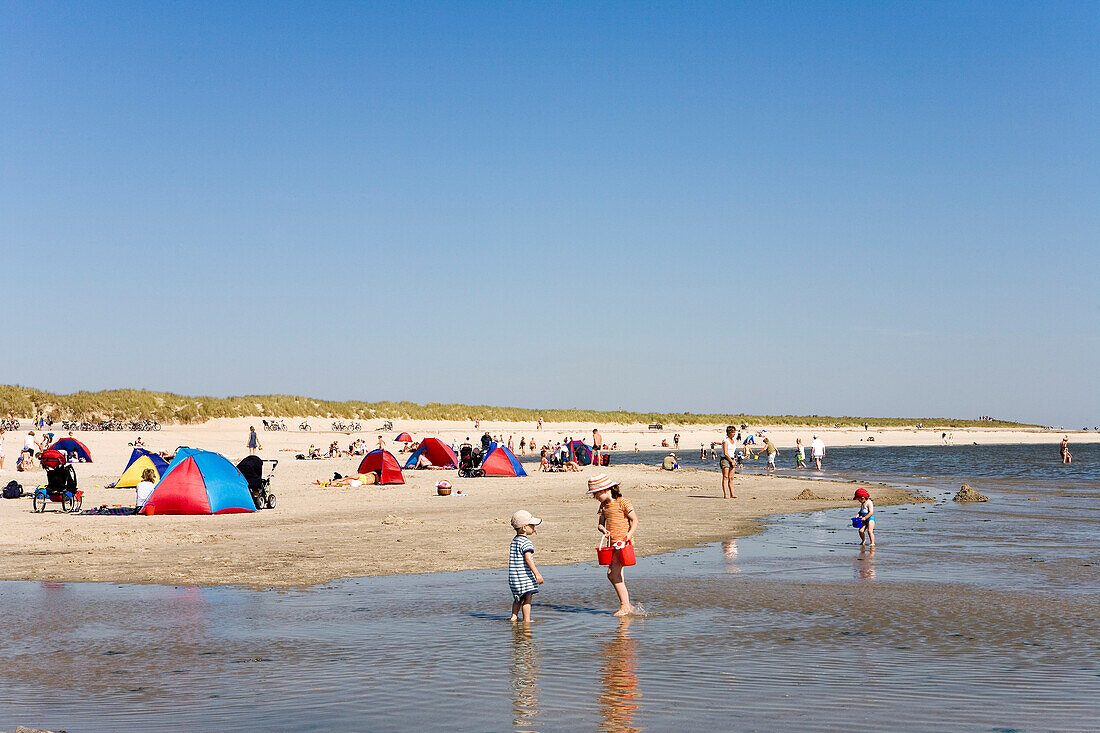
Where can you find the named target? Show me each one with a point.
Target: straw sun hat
(599, 482)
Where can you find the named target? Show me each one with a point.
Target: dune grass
(132, 404)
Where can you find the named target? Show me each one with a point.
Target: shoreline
(319, 535)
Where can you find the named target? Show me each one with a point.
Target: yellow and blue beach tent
(140, 460)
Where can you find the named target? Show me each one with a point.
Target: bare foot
(625, 611)
(514, 618)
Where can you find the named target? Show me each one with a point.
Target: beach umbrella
(403, 438)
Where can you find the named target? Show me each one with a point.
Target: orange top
(614, 518)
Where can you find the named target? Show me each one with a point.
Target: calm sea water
(976, 617)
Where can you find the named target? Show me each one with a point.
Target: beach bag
(13, 490)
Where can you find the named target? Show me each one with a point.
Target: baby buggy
(252, 468)
(60, 484)
(469, 462)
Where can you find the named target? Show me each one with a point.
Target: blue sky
(832, 208)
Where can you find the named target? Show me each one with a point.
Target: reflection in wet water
(525, 678)
(865, 564)
(619, 694)
(729, 552)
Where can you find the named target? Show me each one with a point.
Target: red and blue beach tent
(200, 482)
(68, 445)
(385, 464)
(403, 438)
(436, 451)
(580, 452)
(500, 461)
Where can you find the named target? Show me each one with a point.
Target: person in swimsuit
(867, 514)
(1067, 457)
(728, 463)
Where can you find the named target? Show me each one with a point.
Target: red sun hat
(862, 494)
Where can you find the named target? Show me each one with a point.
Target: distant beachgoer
(728, 463)
(817, 451)
(867, 514)
(544, 462)
(253, 441)
(676, 440)
(524, 578)
(635, 447)
(145, 487)
(486, 441)
(800, 455)
(597, 442)
(618, 522)
(539, 426)
(509, 442)
(702, 451)
(772, 451)
(1067, 457)
(1, 450)
(30, 445)
(522, 446)
(671, 462)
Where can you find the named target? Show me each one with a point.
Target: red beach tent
(387, 466)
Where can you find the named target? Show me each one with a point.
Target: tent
(140, 460)
(200, 482)
(403, 438)
(387, 466)
(501, 462)
(68, 445)
(579, 452)
(436, 451)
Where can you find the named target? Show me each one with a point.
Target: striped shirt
(613, 514)
(521, 580)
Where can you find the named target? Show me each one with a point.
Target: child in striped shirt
(524, 578)
(617, 522)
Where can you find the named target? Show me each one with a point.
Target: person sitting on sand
(544, 462)
(671, 463)
(145, 487)
(314, 452)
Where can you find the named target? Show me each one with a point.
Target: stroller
(252, 468)
(469, 462)
(60, 484)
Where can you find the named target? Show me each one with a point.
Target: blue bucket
(857, 522)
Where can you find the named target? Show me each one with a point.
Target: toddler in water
(617, 522)
(867, 513)
(523, 577)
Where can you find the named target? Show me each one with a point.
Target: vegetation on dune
(133, 404)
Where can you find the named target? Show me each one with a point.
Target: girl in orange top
(618, 522)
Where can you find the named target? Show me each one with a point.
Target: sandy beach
(316, 534)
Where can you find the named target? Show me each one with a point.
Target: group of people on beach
(736, 450)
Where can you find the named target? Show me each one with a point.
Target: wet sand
(316, 535)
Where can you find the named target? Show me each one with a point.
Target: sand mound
(807, 494)
(967, 495)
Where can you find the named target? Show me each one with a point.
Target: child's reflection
(729, 550)
(525, 677)
(865, 563)
(619, 680)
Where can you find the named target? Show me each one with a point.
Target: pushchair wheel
(39, 502)
(270, 501)
(67, 502)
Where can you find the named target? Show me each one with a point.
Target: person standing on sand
(817, 451)
(800, 455)
(728, 463)
(597, 443)
(253, 441)
(618, 522)
(1067, 457)
(1, 449)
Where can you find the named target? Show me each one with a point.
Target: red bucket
(604, 554)
(626, 553)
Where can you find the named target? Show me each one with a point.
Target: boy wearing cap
(524, 578)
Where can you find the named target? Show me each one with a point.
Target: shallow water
(977, 617)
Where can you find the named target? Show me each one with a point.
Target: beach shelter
(501, 462)
(200, 482)
(387, 466)
(436, 451)
(403, 438)
(68, 445)
(579, 452)
(140, 460)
